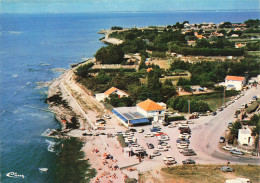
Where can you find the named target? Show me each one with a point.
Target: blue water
(30, 47)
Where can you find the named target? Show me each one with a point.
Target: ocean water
(31, 46)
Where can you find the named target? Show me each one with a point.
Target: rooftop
(235, 78)
(149, 105)
(113, 89)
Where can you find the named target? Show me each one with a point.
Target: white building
(235, 82)
(151, 110)
(113, 90)
(245, 137)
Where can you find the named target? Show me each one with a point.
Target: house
(245, 137)
(152, 110)
(239, 45)
(113, 90)
(117, 91)
(141, 114)
(236, 82)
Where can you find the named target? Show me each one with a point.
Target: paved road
(207, 130)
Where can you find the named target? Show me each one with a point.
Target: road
(207, 131)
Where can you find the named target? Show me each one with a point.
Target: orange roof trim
(150, 105)
(113, 89)
(235, 78)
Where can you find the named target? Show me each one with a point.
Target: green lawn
(215, 103)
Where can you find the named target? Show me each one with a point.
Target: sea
(33, 48)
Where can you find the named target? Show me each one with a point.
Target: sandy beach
(87, 110)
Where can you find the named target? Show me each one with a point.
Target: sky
(78, 6)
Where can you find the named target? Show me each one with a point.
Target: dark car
(132, 130)
(185, 130)
(222, 139)
(155, 130)
(226, 169)
(179, 140)
(188, 161)
(150, 146)
(188, 152)
(102, 121)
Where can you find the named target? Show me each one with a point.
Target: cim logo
(14, 175)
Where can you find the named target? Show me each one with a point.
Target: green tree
(111, 54)
(153, 81)
(83, 70)
(234, 129)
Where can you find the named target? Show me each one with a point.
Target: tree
(111, 54)
(83, 70)
(153, 81)
(234, 129)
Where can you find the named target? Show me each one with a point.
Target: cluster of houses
(147, 111)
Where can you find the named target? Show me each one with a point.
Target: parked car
(226, 169)
(148, 135)
(163, 138)
(140, 130)
(228, 148)
(132, 130)
(237, 152)
(188, 161)
(150, 146)
(184, 140)
(222, 139)
(188, 152)
(155, 129)
(161, 148)
(106, 116)
(182, 146)
(172, 126)
(102, 121)
(156, 153)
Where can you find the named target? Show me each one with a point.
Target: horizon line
(158, 11)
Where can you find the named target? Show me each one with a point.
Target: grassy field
(215, 103)
(253, 53)
(203, 174)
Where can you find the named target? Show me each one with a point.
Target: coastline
(94, 147)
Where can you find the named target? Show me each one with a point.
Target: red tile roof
(235, 78)
(150, 105)
(113, 89)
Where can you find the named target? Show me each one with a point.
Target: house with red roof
(112, 90)
(143, 113)
(235, 82)
(152, 110)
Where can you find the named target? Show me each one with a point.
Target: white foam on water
(51, 145)
(47, 132)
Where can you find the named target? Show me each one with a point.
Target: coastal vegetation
(70, 165)
(150, 81)
(207, 173)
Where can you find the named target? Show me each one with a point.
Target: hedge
(175, 118)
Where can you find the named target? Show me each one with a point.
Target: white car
(140, 130)
(127, 135)
(182, 146)
(156, 153)
(172, 126)
(148, 135)
(161, 148)
(228, 148)
(106, 116)
(163, 138)
(168, 158)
